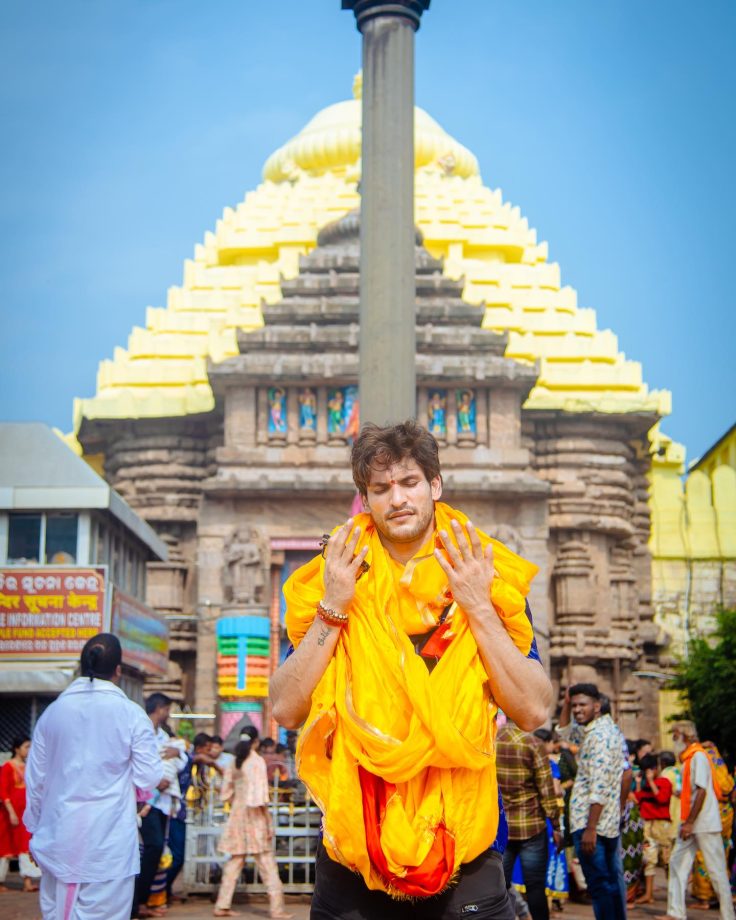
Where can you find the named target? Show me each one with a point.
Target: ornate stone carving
(509, 536)
(149, 463)
(242, 574)
(572, 575)
(624, 613)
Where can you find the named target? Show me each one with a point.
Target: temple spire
(387, 286)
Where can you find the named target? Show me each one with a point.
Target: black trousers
(153, 828)
(533, 854)
(480, 894)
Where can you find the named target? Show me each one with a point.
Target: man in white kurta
(90, 748)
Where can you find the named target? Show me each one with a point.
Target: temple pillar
(387, 283)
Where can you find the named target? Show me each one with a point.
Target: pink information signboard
(49, 612)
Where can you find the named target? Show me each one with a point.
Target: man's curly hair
(376, 448)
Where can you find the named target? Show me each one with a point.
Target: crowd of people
(97, 806)
(199, 778)
(560, 786)
(548, 780)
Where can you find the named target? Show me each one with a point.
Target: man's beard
(419, 521)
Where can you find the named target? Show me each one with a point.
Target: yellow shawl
(383, 730)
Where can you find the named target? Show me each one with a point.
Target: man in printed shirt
(595, 805)
(525, 781)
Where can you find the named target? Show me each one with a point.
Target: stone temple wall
(599, 527)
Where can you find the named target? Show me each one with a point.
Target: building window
(48, 539)
(24, 537)
(61, 539)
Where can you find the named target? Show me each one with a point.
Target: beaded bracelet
(331, 617)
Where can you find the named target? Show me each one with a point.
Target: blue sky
(128, 125)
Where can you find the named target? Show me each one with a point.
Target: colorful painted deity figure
(307, 409)
(276, 411)
(465, 412)
(343, 411)
(335, 411)
(436, 413)
(351, 426)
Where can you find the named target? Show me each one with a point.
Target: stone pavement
(15, 905)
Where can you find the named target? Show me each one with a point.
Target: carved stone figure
(242, 575)
(509, 536)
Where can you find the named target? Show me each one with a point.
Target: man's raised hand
(342, 567)
(469, 570)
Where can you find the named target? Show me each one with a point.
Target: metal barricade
(296, 821)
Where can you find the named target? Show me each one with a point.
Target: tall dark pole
(387, 285)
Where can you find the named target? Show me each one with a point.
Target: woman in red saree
(14, 838)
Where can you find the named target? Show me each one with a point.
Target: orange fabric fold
(686, 795)
(438, 866)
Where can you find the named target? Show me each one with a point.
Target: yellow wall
(670, 704)
(723, 453)
(693, 540)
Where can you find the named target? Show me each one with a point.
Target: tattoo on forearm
(323, 634)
